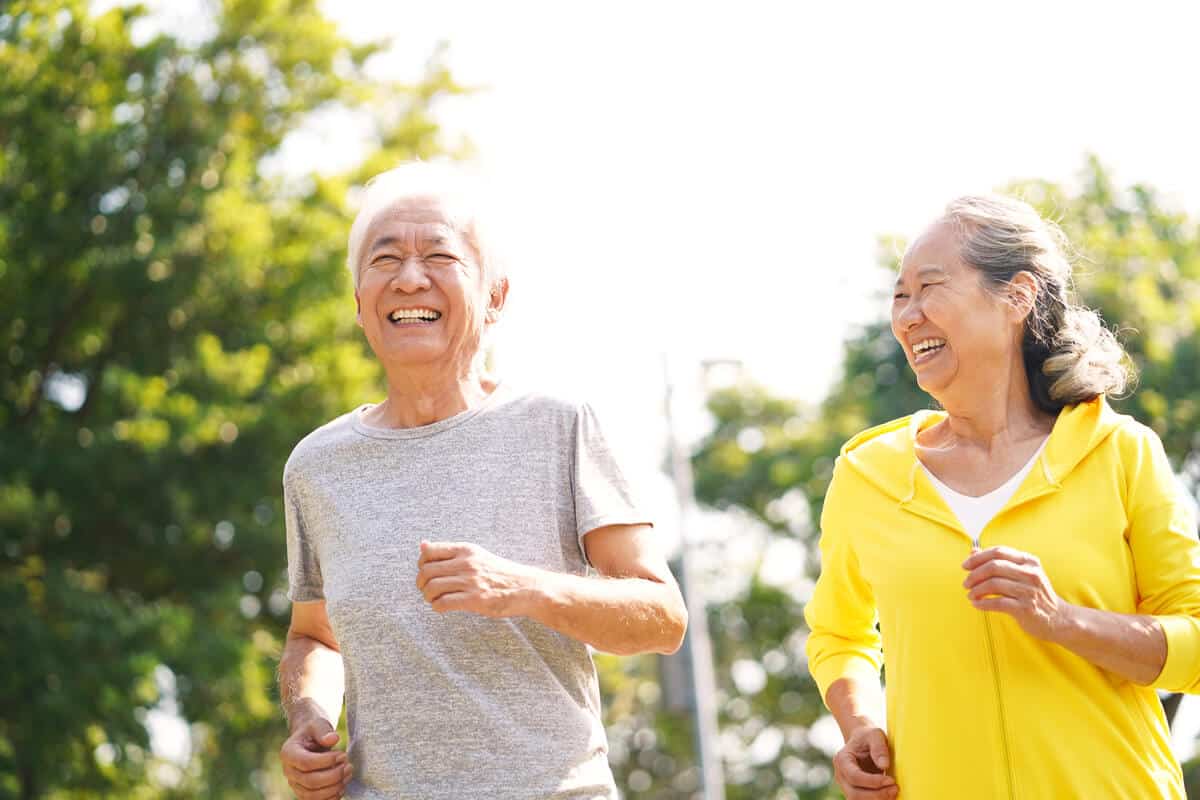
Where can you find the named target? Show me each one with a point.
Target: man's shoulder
(541, 405)
(315, 449)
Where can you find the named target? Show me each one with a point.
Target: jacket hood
(886, 455)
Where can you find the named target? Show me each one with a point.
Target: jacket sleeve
(1166, 559)
(841, 614)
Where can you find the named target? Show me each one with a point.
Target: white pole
(697, 646)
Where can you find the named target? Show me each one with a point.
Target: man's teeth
(927, 345)
(423, 314)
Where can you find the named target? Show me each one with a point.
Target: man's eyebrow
(437, 238)
(382, 242)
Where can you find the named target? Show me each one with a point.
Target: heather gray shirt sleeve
(603, 495)
(304, 567)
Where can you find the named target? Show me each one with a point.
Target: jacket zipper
(987, 628)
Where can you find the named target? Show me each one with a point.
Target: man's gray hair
(462, 198)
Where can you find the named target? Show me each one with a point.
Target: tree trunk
(27, 780)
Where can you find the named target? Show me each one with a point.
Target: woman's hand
(861, 766)
(1014, 583)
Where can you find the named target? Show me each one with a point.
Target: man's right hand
(312, 768)
(861, 766)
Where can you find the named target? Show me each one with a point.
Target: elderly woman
(439, 544)
(1032, 565)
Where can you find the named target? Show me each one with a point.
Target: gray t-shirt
(457, 706)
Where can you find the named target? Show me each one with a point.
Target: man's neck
(415, 398)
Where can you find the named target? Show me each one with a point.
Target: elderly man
(439, 544)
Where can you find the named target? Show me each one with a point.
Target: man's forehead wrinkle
(419, 210)
(437, 234)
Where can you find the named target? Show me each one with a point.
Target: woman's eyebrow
(925, 269)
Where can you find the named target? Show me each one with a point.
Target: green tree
(1138, 262)
(174, 320)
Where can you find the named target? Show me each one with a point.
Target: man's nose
(410, 276)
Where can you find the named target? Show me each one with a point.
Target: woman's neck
(985, 418)
(996, 421)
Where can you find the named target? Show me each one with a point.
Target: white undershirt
(976, 512)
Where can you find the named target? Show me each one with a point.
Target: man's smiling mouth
(411, 316)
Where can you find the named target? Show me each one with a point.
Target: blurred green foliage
(1138, 262)
(175, 318)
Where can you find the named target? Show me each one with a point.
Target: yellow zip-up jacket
(976, 708)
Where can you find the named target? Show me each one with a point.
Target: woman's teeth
(928, 345)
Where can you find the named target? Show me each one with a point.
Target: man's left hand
(1012, 582)
(460, 576)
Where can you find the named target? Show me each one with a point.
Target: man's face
(422, 298)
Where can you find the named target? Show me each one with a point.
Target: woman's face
(955, 333)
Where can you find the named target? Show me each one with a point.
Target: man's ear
(357, 309)
(496, 300)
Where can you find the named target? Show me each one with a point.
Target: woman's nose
(910, 313)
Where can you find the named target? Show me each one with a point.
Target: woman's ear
(1022, 294)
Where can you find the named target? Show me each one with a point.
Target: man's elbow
(305, 641)
(676, 629)
(662, 634)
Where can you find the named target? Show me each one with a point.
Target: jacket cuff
(1181, 672)
(858, 667)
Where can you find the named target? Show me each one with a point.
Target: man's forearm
(624, 616)
(311, 681)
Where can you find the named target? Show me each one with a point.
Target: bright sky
(709, 179)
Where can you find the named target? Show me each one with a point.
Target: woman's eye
(899, 296)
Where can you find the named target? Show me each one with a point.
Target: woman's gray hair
(462, 197)
(1070, 356)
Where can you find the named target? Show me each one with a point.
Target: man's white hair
(460, 194)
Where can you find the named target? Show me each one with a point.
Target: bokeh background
(703, 197)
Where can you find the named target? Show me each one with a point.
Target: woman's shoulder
(885, 435)
(1098, 420)
(883, 455)
(896, 436)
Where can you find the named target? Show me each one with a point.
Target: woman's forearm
(855, 704)
(1129, 645)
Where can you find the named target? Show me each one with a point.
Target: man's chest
(509, 501)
